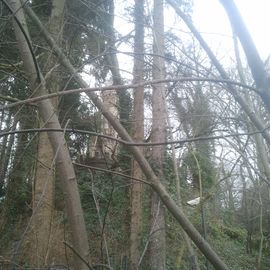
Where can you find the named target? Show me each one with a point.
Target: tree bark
(42, 205)
(158, 238)
(63, 160)
(41, 236)
(138, 134)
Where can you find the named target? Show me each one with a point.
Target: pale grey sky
(209, 17)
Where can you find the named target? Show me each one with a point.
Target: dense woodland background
(137, 151)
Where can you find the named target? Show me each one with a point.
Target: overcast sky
(211, 20)
(209, 17)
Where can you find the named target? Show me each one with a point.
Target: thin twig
(77, 254)
(103, 265)
(110, 171)
(100, 223)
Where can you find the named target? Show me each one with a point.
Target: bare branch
(128, 143)
(123, 87)
(77, 254)
(110, 171)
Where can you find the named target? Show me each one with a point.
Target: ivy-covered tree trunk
(138, 134)
(158, 236)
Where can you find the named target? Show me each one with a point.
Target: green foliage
(106, 193)
(125, 107)
(42, 8)
(9, 55)
(233, 232)
(233, 253)
(18, 187)
(198, 163)
(85, 32)
(124, 160)
(15, 205)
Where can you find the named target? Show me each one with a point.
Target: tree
(69, 185)
(138, 134)
(42, 233)
(158, 227)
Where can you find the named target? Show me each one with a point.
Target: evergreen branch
(26, 38)
(11, 66)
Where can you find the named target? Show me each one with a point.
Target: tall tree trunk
(63, 160)
(42, 205)
(158, 237)
(44, 184)
(138, 134)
